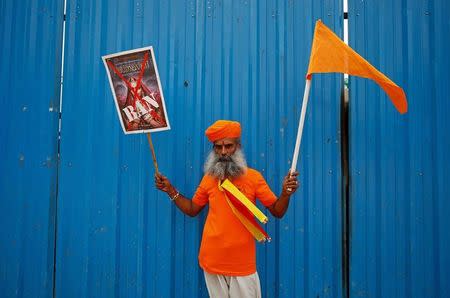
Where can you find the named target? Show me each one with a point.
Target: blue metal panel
(245, 60)
(30, 54)
(400, 190)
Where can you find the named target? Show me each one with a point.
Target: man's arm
(184, 204)
(290, 185)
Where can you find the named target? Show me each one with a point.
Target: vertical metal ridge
(60, 90)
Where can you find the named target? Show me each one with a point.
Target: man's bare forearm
(184, 204)
(290, 185)
(279, 208)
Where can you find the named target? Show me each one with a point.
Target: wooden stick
(155, 163)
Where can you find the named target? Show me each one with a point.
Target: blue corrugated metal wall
(245, 60)
(400, 190)
(117, 236)
(30, 54)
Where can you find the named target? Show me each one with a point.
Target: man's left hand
(290, 183)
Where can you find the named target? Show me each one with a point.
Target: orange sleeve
(201, 197)
(263, 191)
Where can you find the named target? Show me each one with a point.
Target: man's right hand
(163, 184)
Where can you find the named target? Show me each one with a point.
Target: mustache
(224, 158)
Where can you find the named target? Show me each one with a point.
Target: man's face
(226, 147)
(226, 159)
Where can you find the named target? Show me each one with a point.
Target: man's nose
(223, 151)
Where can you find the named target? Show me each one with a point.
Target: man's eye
(226, 146)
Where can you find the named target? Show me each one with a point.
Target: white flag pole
(300, 126)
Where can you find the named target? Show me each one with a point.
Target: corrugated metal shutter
(400, 190)
(30, 54)
(245, 60)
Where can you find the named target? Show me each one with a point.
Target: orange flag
(330, 54)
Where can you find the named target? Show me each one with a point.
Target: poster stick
(155, 163)
(300, 126)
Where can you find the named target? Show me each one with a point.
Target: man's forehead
(225, 141)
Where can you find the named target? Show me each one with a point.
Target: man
(227, 252)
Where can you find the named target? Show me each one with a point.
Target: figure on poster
(142, 107)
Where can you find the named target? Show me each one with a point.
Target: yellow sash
(243, 199)
(245, 218)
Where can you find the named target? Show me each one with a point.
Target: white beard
(225, 167)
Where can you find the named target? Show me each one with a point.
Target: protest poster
(136, 88)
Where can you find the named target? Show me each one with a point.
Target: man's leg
(218, 285)
(233, 286)
(245, 286)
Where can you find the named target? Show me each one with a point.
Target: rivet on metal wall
(21, 160)
(48, 162)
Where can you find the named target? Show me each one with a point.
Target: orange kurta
(227, 246)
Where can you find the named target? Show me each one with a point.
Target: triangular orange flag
(330, 54)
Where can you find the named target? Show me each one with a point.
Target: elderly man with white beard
(227, 252)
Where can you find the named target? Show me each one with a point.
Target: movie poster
(134, 80)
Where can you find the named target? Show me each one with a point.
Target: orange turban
(223, 129)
